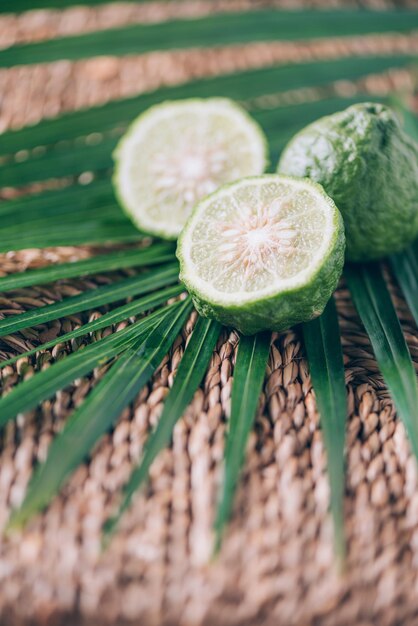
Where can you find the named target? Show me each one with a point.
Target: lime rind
(369, 166)
(285, 303)
(123, 154)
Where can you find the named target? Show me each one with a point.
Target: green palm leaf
(59, 162)
(70, 232)
(152, 255)
(57, 203)
(264, 81)
(80, 214)
(405, 266)
(376, 310)
(279, 124)
(143, 283)
(19, 6)
(73, 202)
(45, 383)
(214, 30)
(325, 358)
(69, 216)
(189, 376)
(98, 412)
(249, 375)
(112, 317)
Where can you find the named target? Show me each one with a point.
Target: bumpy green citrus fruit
(265, 252)
(177, 152)
(369, 166)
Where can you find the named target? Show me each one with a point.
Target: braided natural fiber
(276, 565)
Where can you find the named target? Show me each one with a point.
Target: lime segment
(179, 152)
(263, 252)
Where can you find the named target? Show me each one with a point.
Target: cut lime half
(265, 252)
(177, 153)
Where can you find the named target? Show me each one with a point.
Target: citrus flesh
(369, 166)
(178, 152)
(265, 252)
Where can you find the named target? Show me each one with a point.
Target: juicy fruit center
(189, 173)
(259, 236)
(250, 244)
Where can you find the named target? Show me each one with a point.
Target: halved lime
(178, 152)
(265, 252)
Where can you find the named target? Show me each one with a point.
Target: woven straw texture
(276, 565)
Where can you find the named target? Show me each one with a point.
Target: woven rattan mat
(276, 566)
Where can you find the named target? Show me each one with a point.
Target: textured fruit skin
(369, 167)
(286, 308)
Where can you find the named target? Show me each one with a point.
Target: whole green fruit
(369, 166)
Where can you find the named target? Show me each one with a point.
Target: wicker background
(276, 566)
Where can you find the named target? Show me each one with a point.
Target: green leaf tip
(96, 415)
(190, 373)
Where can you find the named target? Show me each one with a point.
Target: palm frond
(323, 347)
(189, 376)
(112, 317)
(156, 254)
(96, 196)
(376, 310)
(405, 267)
(95, 416)
(279, 124)
(143, 283)
(29, 393)
(19, 6)
(59, 162)
(72, 232)
(82, 141)
(71, 216)
(405, 264)
(249, 375)
(265, 81)
(222, 29)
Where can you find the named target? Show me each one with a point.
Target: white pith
(189, 165)
(246, 245)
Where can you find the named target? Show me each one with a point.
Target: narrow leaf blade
(112, 317)
(325, 359)
(92, 298)
(249, 375)
(154, 255)
(189, 376)
(219, 29)
(98, 412)
(405, 266)
(264, 81)
(376, 310)
(31, 392)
